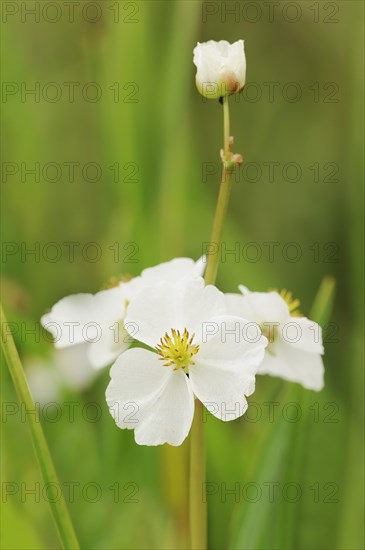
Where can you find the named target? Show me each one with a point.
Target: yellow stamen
(293, 303)
(177, 349)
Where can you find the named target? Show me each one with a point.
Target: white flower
(295, 343)
(197, 350)
(221, 68)
(97, 320)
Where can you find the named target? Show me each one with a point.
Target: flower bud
(221, 68)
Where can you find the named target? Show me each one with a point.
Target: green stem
(226, 125)
(58, 505)
(198, 507)
(198, 511)
(222, 203)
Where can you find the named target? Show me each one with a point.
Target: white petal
(239, 306)
(131, 288)
(136, 376)
(199, 305)
(112, 342)
(228, 338)
(173, 271)
(222, 393)
(110, 305)
(151, 313)
(237, 60)
(156, 401)
(188, 304)
(67, 319)
(303, 334)
(79, 318)
(294, 365)
(225, 367)
(207, 61)
(221, 48)
(168, 419)
(265, 306)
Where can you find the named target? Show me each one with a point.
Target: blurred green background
(297, 484)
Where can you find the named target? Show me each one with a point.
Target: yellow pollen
(177, 349)
(293, 303)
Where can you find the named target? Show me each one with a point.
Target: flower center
(177, 349)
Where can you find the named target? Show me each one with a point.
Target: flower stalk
(229, 161)
(226, 125)
(197, 504)
(198, 507)
(48, 471)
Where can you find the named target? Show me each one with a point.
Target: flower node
(177, 349)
